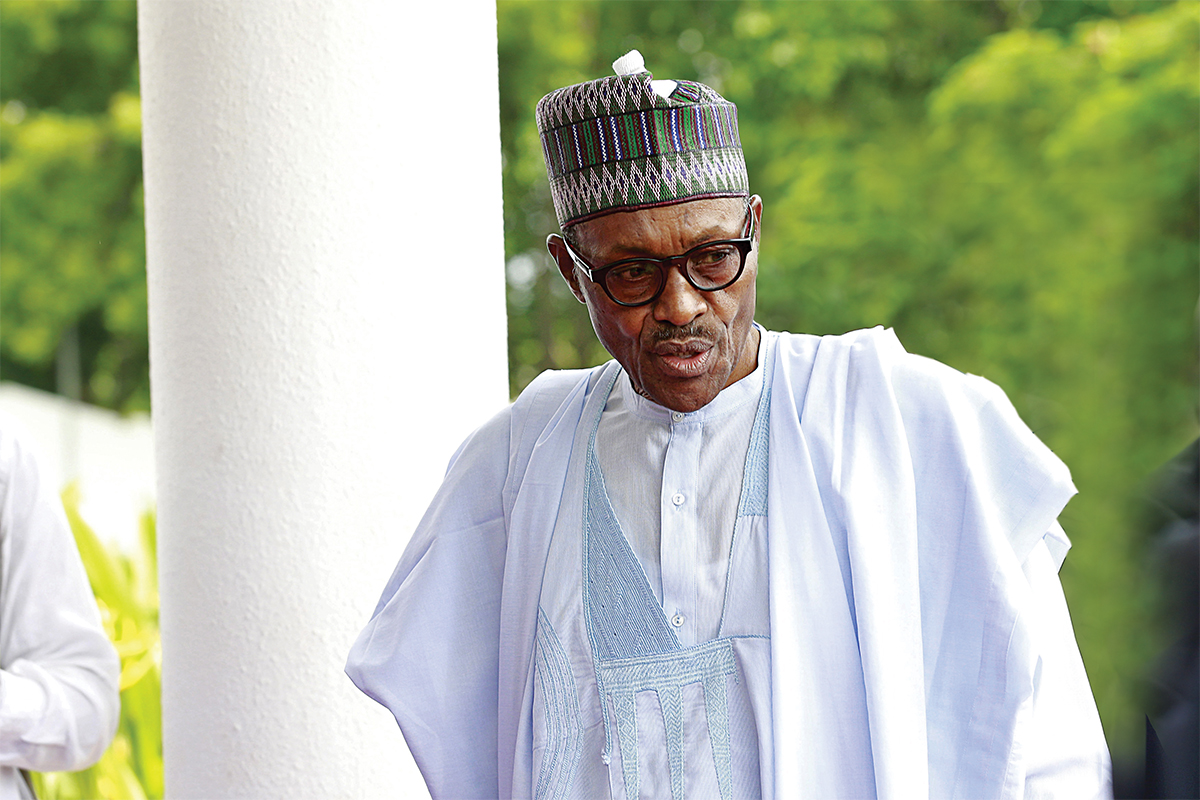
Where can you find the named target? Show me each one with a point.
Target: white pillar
(325, 260)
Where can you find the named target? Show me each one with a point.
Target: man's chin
(682, 394)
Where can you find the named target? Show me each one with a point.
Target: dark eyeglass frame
(600, 274)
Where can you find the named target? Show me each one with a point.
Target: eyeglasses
(708, 267)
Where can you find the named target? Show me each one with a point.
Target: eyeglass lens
(712, 267)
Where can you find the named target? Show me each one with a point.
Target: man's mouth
(683, 359)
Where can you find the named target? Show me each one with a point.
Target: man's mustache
(666, 332)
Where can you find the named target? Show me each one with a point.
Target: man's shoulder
(862, 345)
(516, 426)
(880, 350)
(557, 383)
(545, 395)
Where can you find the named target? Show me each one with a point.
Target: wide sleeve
(58, 671)
(979, 470)
(1067, 754)
(430, 652)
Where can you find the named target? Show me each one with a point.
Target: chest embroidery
(634, 650)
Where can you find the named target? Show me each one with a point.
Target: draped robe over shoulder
(911, 529)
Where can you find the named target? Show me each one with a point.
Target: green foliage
(73, 250)
(126, 590)
(1012, 186)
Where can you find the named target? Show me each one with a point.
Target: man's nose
(680, 302)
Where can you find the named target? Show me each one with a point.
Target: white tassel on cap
(629, 64)
(632, 63)
(663, 88)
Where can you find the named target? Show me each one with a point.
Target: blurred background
(1012, 186)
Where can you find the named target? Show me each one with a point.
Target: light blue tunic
(621, 708)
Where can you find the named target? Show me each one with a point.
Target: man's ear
(756, 206)
(566, 265)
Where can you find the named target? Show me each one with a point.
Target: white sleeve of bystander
(58, 671)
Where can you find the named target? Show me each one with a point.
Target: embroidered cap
(628, 141)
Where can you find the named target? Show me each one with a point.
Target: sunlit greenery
(72, 254)
(1012, 186)
(126, 589)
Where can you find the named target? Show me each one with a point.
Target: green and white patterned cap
(628, 141)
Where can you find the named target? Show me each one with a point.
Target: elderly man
(732, 563)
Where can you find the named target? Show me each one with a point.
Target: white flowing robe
(914, 609)
(59, 705)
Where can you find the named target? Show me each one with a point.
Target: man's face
(686, 346)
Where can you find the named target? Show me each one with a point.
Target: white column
(325, 260)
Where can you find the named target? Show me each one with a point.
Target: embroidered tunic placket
(663, 700)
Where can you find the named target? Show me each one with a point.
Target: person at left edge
(59, 673)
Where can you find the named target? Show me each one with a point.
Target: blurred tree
(72, 254)
(1084, 149)
(1011, 185)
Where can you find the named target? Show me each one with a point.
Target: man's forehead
(644, 230)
